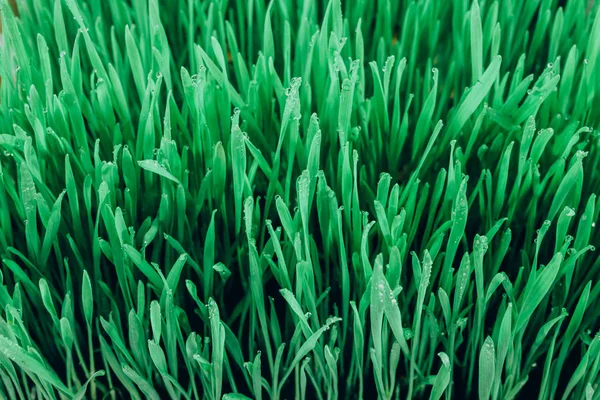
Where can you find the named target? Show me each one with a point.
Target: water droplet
(581, 154)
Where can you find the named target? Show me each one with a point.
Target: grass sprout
(234, 199)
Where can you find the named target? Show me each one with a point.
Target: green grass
(350, 199)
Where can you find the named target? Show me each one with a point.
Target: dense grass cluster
(307, 199)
